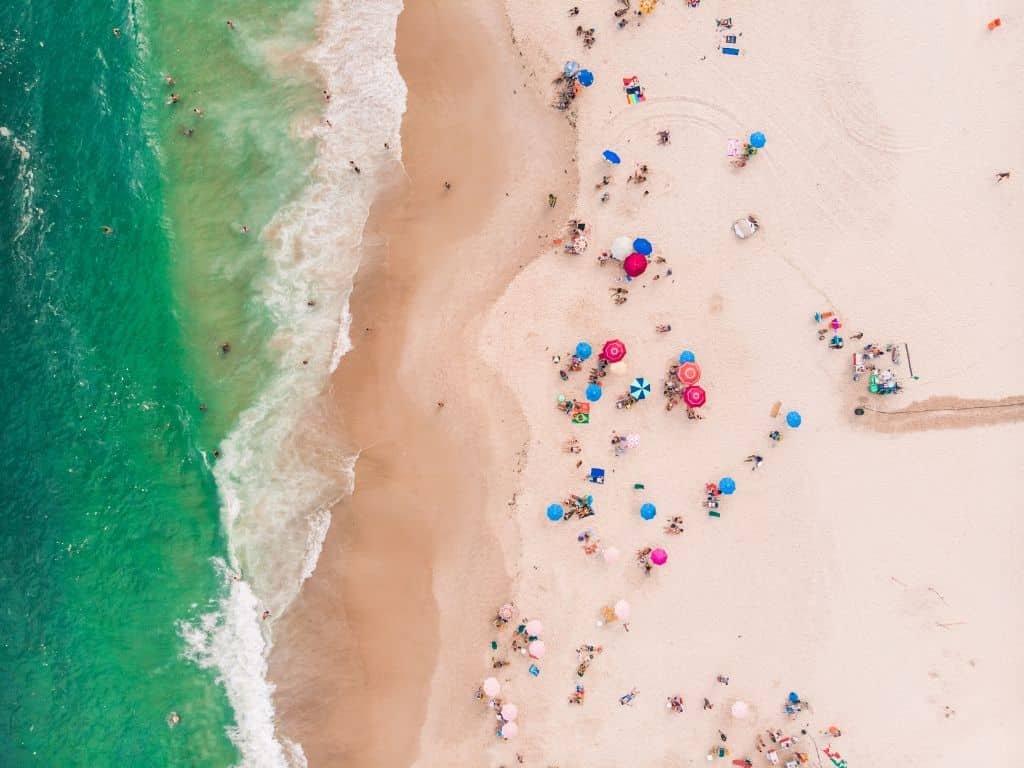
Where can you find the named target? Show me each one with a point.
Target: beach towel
(634, 91)
(735, 148)
(581, 413)
(731, 51)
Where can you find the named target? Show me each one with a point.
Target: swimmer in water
(197, 110)
(107, 230)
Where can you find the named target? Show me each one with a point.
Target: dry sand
(874, 573)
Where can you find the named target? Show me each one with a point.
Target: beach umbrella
(593, 392)
(613, 351)
(686, 356)
(555, 512)
(695, 396)
(534, 627)
(640, 388)
(611, 157)
(757, 139)
(610, 554)
(571, 68)
(794, 419)
(506, 611)
(643, 246)
(727, 486)
(621, 611)
(536, 649)
(835, 324)
(492, 687)
(583, 350)
(579, 244)
(622, 246)
(739, 709)
(648, 511)
(688, 373)
(659, 556)
(586, 78)
(793, 698)
(617, 368)
(509, 712)
(509, 731)
(635, 264)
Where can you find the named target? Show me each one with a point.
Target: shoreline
(365, 646)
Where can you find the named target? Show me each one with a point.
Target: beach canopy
(610, 554)
(640, 388)
(593, 392)
(643, 246)
(621, 610)
(686, 356)
(583, 350)
(695, 396)
(757, 140)
(622, 246)
(794, 419)
(586, 78)
(739, 709)
(613, 351)
(536, 649)
(648, 511)
(611, 157)
(571, 68)
(506, 611)
(635, 264)
(534, 627)
(509, 731)
(727, 486)
(509, 712)
(659, 556)
(492, 687)
(688, 373)
(555, 512)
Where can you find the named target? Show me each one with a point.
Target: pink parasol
(635, 264)
(659, 556)
(695, 397)
(509, 712)
(534, 627)
(621, 610)
(506, 611)
(509, 731)
(610, 554)
(536, 649)
(688, 373)
(492, 687)
(613, 351)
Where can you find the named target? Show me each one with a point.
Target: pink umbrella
(492, 687)
(506, 611)
(659, 556)
(613, 351)
(695, 397)
(509, 730)
(688, 373)
(635, 264)
(610, 554)
(534, 627)
(509, 712)
(621, 610)
(536, 649)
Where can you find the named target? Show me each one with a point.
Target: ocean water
(135, 563)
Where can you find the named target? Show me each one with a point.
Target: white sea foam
(276, 479)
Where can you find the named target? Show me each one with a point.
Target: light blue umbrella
(640, 388)
(757, 139)
(583, 350)
(686, 356)
(555, 513)
(727, 486)
(794, 419)
(571, 68)
(593, 392)
(648, 511)
(611, 157)
(643, 246)
(586, 78)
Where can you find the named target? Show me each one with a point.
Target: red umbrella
(695, 397)
(613, 351)
(635, 264)
(688, 373)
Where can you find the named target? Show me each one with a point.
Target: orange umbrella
(688, 373)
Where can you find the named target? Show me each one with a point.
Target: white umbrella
(622, 246)
(509, 731)
(536, 649)
(740, 709)
(610, 554)
(492, 687)
(509, 712)
(534, 627)
(621, 610)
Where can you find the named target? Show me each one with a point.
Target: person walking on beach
(755, 460)
(1002, 175)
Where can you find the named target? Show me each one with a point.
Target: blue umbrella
(793, 698)
(586, 78)
(793, 419)
(611, 157)
(643, 246)
(727, 486)
(640, 388)
(757, 139)
(583, 350)
(555, 513)
(686, 356)
(648, 511)
(593, 392)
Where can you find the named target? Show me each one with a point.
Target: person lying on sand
(627, 699)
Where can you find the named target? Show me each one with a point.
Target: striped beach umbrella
(640, 388)
(695, 397)
(688, 373)
(613, 351)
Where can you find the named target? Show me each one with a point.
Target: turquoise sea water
(109, 344)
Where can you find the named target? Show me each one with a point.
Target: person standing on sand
(1002, 175)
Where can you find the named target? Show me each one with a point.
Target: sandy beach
(863, 566)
